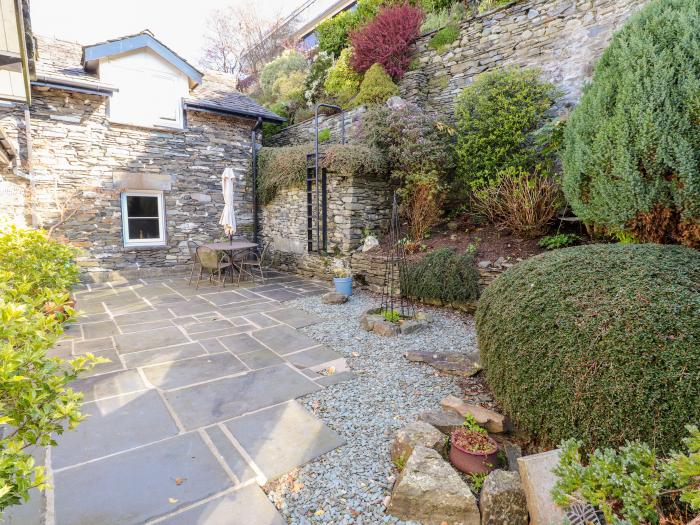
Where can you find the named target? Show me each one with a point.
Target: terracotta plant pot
(476, 462)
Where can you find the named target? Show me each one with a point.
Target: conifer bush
(600, 343)
(632, 145)
(376, 87)
(443, 276)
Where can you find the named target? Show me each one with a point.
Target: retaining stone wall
(76, 148)
(304, 132)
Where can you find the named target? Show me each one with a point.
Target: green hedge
(443, 276)
(598, 342)
(285, 167)
(632, 145)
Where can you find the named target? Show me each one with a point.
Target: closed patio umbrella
(228, 217)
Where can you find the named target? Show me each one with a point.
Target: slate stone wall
(304, 132)
(13, 200)
(77, 152)
(563, 38)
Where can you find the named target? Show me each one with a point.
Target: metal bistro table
(232, 247)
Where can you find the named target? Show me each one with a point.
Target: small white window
(143, 218)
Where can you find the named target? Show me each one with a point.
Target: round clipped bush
(597, 342)
(376, 87)
(632, 145)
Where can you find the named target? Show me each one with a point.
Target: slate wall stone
(77, 151)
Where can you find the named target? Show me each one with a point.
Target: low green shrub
(342, 81)
(324, 135)
(443, 276)
(285, 167)
(599, 342)
(333, 33)
(376, 87)
(36, 404)
(632, 484)
(560, 240)
(314, 84)
(443, 38)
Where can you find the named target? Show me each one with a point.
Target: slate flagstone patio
(195, 409)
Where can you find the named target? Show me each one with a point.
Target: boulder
(334, 298)
(411, 326)
(369, 243)
(383, 327)
(492, 421)
(502, 500)
(538, 478)
(443, 420)
(513, 451)
(431, 492)
(449, 363)
(413, 435)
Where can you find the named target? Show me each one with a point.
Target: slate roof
(60, 61)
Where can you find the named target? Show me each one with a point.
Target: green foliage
(443, 38)
(443, 275)
(35, 401)
(496, 118)
(471, 424)
(597, 342)
(376, 87)
(285, 168)
(333, 33)
(630, 485)
(632, 145)
(324, 135)
(314, 84)
(286, 64)
(342, 81)
(488, 5)
(433, 6)
(476, 481)
(391, 315)
(283, 85)
(560, 240)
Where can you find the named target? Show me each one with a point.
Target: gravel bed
(349, 485)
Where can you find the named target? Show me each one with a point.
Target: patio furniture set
(234, 258)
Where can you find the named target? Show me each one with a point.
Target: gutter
(104, 90)
(254, 160)
(218, 110)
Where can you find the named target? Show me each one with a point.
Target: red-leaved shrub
(386, 39)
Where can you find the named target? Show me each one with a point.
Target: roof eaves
(197, 105)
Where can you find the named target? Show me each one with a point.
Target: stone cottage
(121, 152)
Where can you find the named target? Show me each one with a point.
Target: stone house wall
(563, 38)
(77, 152)
(13, 200)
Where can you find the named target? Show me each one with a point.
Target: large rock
(415, 434)
(536, 473)
(492, 421)
(443, 420)
(450, 363)
(334, 298)
(431, 492)
(502, 500)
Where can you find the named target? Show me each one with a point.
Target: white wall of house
(150, 89)
(11, 81)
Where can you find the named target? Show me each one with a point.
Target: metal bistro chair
(209, 259)
(192, 248)
(251, 261)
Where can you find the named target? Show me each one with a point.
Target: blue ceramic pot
(343, 285)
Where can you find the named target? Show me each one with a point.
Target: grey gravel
(349, 485)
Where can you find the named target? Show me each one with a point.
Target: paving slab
(209, 403)
(107, 385)
(241, 344)
(143, 317)
(283, 339)
(206, 326)
(260, 359)
(259, 305)
(223, 332)
(195, 370)
(93, 345)
(260, 320)
(114, 425)
(99, 330)
(112, 365)
(222, 298)
(316, 356)
(145, 327)
(335, 379)
(248, 505)
(283, 437)
(233, 458)
(163, 355)
(280, 295)
(151, 339)
(139, 485)
(212, 346)
(191, 307)
(294, 317)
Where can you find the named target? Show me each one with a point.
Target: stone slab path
(194, 410)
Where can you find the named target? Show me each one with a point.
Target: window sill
(148, 127)
(136, 247)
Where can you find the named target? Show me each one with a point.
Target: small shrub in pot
(471, 449)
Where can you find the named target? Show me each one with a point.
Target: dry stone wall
(78, 153)
(304, 132)
(563, 38)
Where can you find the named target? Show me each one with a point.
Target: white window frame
(131, 243)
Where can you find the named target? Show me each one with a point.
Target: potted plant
(471, 449)
(342, 277)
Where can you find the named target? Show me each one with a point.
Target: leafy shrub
(421, 206)
(632, 484)
(632, 145)
(386, 40)
(289, 62)
(314, 84)
(488, 5)
(443, 38)
(342, 81)
(376, 87)
(333, 33)
(433, 6)
(444, 275)
(445, 17)
(283, 168)
(560, 240)
(520, 202)
(35, 401)
(391, 315)
(596, 342)
(496, 118)
(283, 84)
(324, 135)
